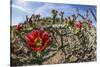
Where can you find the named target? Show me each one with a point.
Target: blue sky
(22, 8)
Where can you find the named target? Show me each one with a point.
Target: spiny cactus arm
(81, 16)
(78, 14)
(87, 13)
(92, 14)
(27, 18)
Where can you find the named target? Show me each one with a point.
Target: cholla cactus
(30, 20)
(61, 14)
(27, 18)
(33, 17)
(74, 17)
(70, 22)
(38, 41)
(54, 14)
(37, 17)
(87, 14)
(89, 23)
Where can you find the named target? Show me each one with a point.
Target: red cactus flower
(37, 40)
(78, 25)
(90, 23)
(18, 28)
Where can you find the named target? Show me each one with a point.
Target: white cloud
(48, 6)
(42, 10)
(21, 8)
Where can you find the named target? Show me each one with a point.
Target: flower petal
(45, 36)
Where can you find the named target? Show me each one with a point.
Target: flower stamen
(38, 41)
